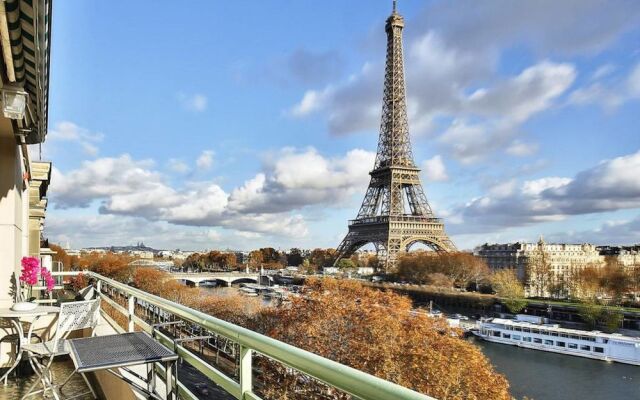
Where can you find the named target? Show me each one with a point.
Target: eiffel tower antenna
(395, 212)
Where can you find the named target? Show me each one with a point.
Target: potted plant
(31, 273)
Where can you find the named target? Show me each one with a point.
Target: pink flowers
(30, 271)
(48, 279)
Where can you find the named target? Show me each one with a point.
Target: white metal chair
(87, 293)
(73, 316)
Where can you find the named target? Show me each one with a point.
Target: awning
(29, 23)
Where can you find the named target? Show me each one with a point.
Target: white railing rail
(346, 379)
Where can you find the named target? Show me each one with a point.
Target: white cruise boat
(523, 332)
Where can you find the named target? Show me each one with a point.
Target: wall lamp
(14, 102)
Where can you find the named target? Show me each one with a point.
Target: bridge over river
(226, 278)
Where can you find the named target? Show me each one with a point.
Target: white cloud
(597, 93)
(193, 102)
(603, 71)
(612, 232)
(439, 79)
(101, 178)
(247, 235)
(434, 169)
(633, 81)
(298, 179)
(611, 185)
(213, 235)
(66, 131)
(178, 166)
(611, 93)
(518, 98)
(521, 149)
(107, 229)
(452, 50)
(264, 204)
(205, 160)
(311, 102)
(546, 26)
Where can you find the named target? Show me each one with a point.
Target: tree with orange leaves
(376, 332)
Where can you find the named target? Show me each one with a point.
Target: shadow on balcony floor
(17, 387)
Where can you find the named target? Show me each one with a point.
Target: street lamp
(14, 103)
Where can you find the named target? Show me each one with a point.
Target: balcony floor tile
(17, 387)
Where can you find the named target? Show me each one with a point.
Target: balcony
(218, 360)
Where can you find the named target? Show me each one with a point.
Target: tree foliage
(322, 258)
(595, 315)
(507, 285)
(461, 268)
(376, 332)
(211, 261)
(61, 256)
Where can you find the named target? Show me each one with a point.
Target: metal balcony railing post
(132, 310)
(246, 381)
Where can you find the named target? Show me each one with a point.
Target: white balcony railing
(143, 309)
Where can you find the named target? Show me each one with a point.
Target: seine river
(547, 376)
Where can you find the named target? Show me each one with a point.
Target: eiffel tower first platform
(395, 212)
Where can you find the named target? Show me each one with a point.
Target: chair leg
(45, 377)
(39, 380)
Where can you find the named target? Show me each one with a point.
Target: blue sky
(243, 124)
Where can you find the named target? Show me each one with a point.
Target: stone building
(541, 265)
(626, 256)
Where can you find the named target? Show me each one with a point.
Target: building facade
(24, 86)
(541, 266)
(626, 256)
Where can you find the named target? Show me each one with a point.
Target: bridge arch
(243, 280)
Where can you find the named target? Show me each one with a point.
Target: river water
(540, 375)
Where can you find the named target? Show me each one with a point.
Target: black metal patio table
(112, 352)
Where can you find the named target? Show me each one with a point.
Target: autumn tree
(613, 280)
(294, 257)
(538, 273)
(62, 257)
(108, 264)
(634, 279)
(149, 279)
(322, 258)
(585, 282)
(375, 331)
(255, 259)
(506, 284)
(595, 315)
(346, 265)
(461, 269)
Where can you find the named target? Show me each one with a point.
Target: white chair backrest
(77, 315)
(88, 293)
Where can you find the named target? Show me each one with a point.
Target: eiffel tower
(395, 212)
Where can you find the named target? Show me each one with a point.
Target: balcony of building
(217, 360)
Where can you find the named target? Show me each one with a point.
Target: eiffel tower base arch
(391, 242)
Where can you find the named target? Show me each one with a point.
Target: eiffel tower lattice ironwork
(395, 212)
